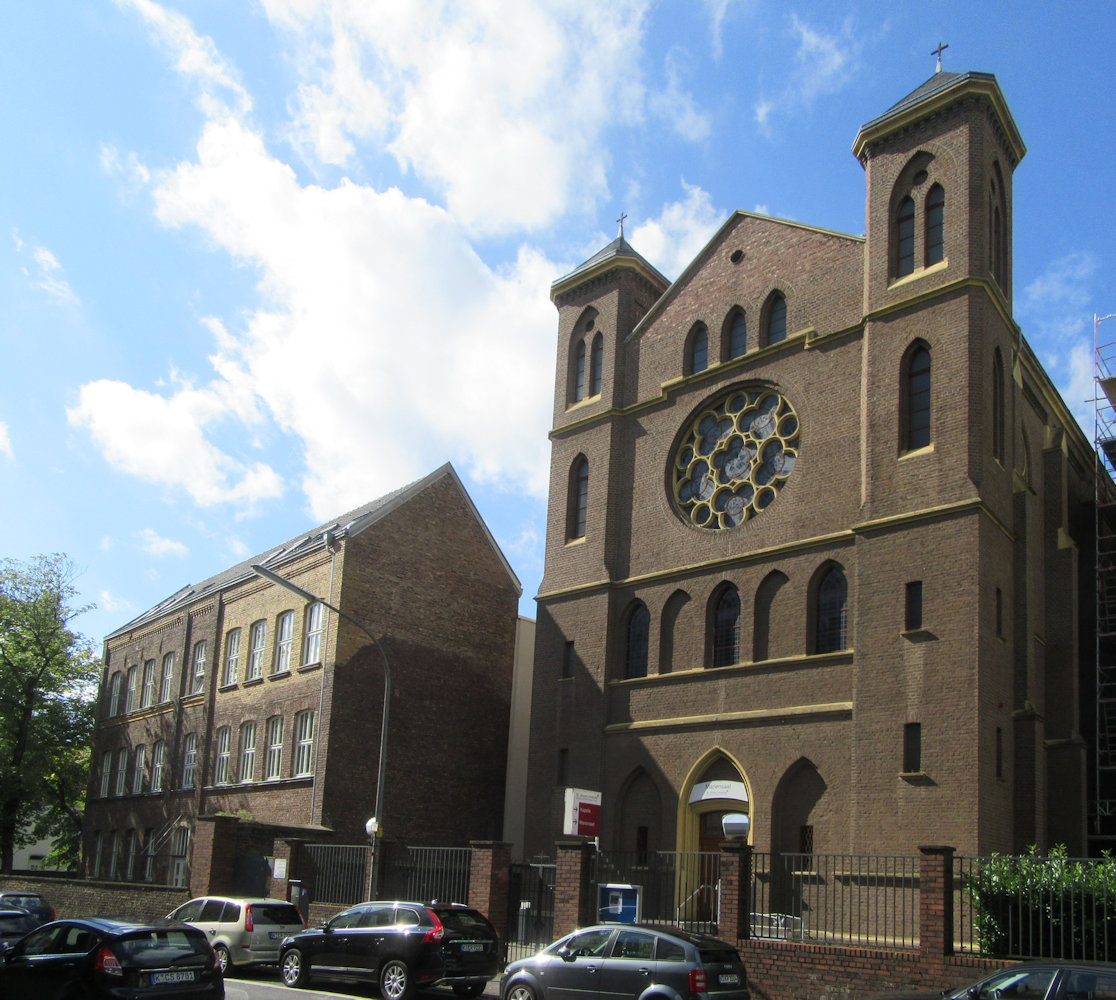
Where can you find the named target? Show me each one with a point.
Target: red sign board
(588, 819)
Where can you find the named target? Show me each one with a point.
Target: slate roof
(347, 525)
(618, 248)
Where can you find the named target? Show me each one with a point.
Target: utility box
(619, 903)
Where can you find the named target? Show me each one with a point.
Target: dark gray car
(1028, 981)
(34, 903)
(622, 962)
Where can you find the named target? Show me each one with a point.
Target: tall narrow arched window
(579, 372)
(726, 628)
(639, 627)
(917, 403)
(998, 407)
(997, 218)
(831, 628)
(935, 225)
(596, 365)
(904, 237)
(697, 359)
(578, 499)
(777, 319)
(737, 335)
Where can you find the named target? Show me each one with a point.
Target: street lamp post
(306, 595)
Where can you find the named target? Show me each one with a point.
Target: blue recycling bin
(619, 903)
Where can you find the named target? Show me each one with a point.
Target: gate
(335, 873)
(425, 873)
(530, 907)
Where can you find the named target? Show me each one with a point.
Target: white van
(244, 931)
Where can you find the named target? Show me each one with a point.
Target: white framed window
(158, 760)
(312, 634)
(106, 773)
(273, 764)
(114, 855)
(189, 759)
(130, 855)
(121, 770)
(180, 855)
(232, 657)
(114, 694)
(138, 764)
(148, 697)
(130, 703)
(98, 849)
(257, 641)
(304, 744)
(166, 685)
(198, 681)
(248, 752)
(284, 639)
(221, 768)
(149, 854)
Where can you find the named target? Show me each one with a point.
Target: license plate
(181, 976)
(275, 935)
(729, 979)
(472, 946)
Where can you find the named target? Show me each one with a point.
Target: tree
(48, 681)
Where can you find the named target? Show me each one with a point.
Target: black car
(15, 921)
(398, 946)
(42, 911)
(1029, 981)
(110, 959)
(629, 962)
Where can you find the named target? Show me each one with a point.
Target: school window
(274, 762)
(232, 657)
(189, 759)
(248, 751)
(166, 685)
(256, 651)
(158, 759)
(221, 768)
(913, 617)
(106, 773)
(312, 641)
(198, 681)
(284, 639)
(121, 770)
(137, 769)
(133, 689)
(114, 694)
(304, 743)
(148, 697)
(180, 852)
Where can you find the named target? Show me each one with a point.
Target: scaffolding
(1104, 756)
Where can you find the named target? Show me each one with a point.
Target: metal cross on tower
(942, 46)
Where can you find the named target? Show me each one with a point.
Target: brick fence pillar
(213, 856)
(489, 879)
(736, 891)
(935, 901)
(285, 857)
(571, 885)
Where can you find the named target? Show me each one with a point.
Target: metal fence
(680, 888)
(530, 907)
(425, 873)
(335, 873)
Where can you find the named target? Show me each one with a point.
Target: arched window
(766, 641)
(578, 498)
(639, 626)
(935, 225)
(917, 403)
(698, 355)
(831, 632)
(737, 337)
(726, 628)
(998, 407)
(777, 319)
(579, 372)
(596, 365)
(904, 237)
(997, 215)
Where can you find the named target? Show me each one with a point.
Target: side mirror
(565, 954)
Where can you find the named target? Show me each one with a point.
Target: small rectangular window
(563, 766)
(999, 613)
(806, 839)
(642, 841)
(999, 752)
(568, 659)
(913, 618)
(912, 747)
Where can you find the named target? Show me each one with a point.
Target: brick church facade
(818, 545)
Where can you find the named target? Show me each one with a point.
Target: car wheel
(520, 991)
(469, 990)
(395, 980)
(294, 970)
(224, 960)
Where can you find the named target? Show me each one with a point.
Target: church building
(819, 539)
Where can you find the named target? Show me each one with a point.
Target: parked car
(42, 911)
(398, 946)
(1030, 981)
(243, 931)
(108, 959)
(629, 962)
(15, 921)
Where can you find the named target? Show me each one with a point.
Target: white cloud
(5, 441)
(682, 229)
(676, 105)
(107, 601)
(155, 545)
(45, 272)
(717, 11)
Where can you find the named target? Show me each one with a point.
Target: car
(1028, 981)
(15, 921)
(629, 962)
(398, 946)
(98, 959)
(39, 908)
(244, 931)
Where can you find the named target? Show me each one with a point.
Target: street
(265, 985)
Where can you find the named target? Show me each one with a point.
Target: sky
(264, 261)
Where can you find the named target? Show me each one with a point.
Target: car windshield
(276, 913)
(18, 899)
(159, 948)
(15, 923)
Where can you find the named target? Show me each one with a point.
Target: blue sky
(262, 262)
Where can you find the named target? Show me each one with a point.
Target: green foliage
(1045, 907)
(48, 680)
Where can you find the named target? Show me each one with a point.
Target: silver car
(629, 962)
(243, 931)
